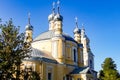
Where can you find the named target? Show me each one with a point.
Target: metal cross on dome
(76, 21)
(53, 7)
(58, 6)
(29, 18)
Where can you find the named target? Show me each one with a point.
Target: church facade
(56, 55)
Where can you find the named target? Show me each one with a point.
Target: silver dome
(51, 17)
(58, 17)
(77, 30)
(29, 27)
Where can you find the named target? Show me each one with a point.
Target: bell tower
(88, 57)
(28, 31)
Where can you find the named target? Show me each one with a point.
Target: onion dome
(29, 26)
(76, 30)
(51, 17)
(58, 17)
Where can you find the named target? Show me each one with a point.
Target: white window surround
(49, 70)
(74, 48)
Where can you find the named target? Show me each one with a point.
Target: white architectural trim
(55, 49)
(34, 66)
(51, 70)
(76, 54)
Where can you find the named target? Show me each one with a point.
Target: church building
(56, 55)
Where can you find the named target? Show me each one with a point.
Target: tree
(12, 50)
(109, 71)
(31, 75)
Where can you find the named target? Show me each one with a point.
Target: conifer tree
(109, 71)
(12, 50)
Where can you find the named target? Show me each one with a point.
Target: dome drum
(58, 17)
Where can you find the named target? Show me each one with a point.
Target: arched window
(75, 57)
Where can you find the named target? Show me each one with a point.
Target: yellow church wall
(58, 70)
(61, 72)
(80, 58)
(61, 50)
(49, 67)
(58, 49)
(43, 75)
(44, 45)
(69, 52)
(39, 67)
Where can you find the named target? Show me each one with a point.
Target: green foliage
(109, 71)
(28, 74)
(12, 51)
(108, 64)
(34, 76)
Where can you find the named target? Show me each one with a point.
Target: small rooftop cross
(29, 18)
(53, 5)
(58, 6)
(76, 21)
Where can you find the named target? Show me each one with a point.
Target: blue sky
(101, 19)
